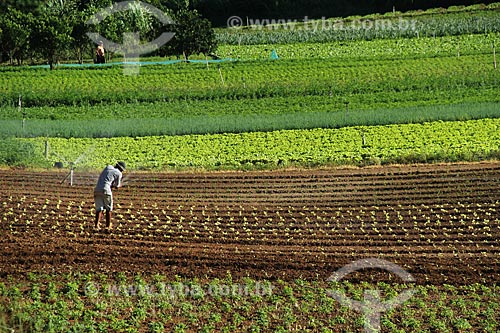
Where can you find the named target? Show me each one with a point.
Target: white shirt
(110, 177)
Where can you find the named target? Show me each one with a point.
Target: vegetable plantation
(236, 251)
(252, 180)
(378, 66)
(473, 140)
(312, 89)
(462, 21)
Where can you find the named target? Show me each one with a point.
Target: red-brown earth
(438, 222)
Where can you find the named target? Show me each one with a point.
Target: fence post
(46, 149)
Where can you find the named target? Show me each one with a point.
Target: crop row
(440, 221)
(386, 104)
(440, 228)
(251, 115)
(100, 303)
(286, 77)
(408, 143)
(372, 49)
(371, 27)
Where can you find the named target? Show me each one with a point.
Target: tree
(51, 30)
(79, 39)
(14, 25)
(193, 34)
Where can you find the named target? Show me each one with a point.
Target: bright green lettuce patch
(428, 142)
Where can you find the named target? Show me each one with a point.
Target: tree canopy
(56, 30)
(193, 34)
(218, 11)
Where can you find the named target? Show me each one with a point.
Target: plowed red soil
(439, 222)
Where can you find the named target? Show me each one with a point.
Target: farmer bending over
(111, 177)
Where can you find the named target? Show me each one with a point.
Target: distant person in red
(99, 54)
(111, 177)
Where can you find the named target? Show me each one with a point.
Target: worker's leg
(108, 205)
(98, 216)
(99, 207)
(109, 225)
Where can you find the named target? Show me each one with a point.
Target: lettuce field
(454, 141)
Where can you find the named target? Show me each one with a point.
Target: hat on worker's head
(120, 166)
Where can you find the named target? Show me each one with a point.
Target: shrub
(17, 153)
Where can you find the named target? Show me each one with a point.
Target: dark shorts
(103, 201)
(100, 60)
